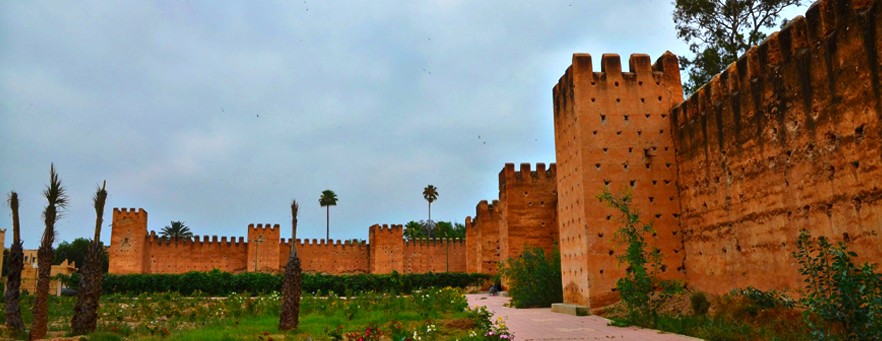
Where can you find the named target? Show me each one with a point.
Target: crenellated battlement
(155, 239)
(322, 242)
(509, 175)
(641, 71)
(129, 213)
(434, 241)
(263, 227)
(385, 228)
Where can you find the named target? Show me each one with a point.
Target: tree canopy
(719, 31)
(176, 230)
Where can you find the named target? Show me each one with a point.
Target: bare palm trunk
(85, 317)
(291, 285)
(56, 199)
(13, 275)
(430, 210)
(328, 224)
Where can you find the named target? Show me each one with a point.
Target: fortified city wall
(787, 138)
(133, 250)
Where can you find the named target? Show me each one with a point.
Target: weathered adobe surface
(786, 138)
(612, 132)
(482, 239)
(132, 250)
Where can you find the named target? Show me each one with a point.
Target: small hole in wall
(600, 235)
(593, 99)
(658, 216)
(664, 115)
(625, 165)
(603, 119)
(668, 164)
(857, 202)
(667, 182)
(642, 100)
(613, 289)
(594, 132)
(676, 215)
(626, 118)
(609, 217)
(661, 131)
(605, 149)
(654, 182)
(845, 237)
(859, 133)
(651, 199)
(633, 182)
(647, 165)
(592, 82)
(855, 164)
(640, 83)
(659, 98)
(610, 252)
(666, 148)
(647, 115)
(619, 132)
(618, 100)
(725, 251)
(601, 271)
(664, 268)
(630, 149)
(674, 233)
(616, 83)
(606, 182)
(639, 132)
(657, 82)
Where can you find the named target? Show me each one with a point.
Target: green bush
(837, 291)
(533, 279)
(700, 304)
(218, 283)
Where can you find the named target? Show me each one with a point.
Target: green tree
(534, 280)
(94, 266)
(430, 193)
(75, 252)
(413, 230)
(328, 199)
(289, 318)
(15, 263)
(56, 199)
(718, 31)
(176, 230)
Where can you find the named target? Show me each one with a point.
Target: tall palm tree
(56, 200)
(430, 193)
(291, 283)
(14, 263)
(328, 199)
(176, 230)
(85, 316)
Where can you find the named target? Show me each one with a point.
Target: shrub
(700, 304)
(534, 280)
(641, 291)
(218, 283)
(837, 291)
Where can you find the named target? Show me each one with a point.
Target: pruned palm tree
(289, 318)
(430, 193)
(85, 317)
(328, 199)
(14, 264)
(56, 200)
(176, 230)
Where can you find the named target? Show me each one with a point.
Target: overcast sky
(219, 113)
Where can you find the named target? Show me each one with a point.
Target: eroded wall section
(786, 138)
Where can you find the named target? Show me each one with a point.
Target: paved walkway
(542, 324)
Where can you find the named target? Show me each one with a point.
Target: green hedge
(217, 283)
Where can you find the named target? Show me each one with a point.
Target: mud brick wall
(434, 255)
(331, 258)
(787, 138)
(168, 256)
(528, 209)
(612, 131)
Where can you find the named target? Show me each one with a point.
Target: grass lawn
(431, 314)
